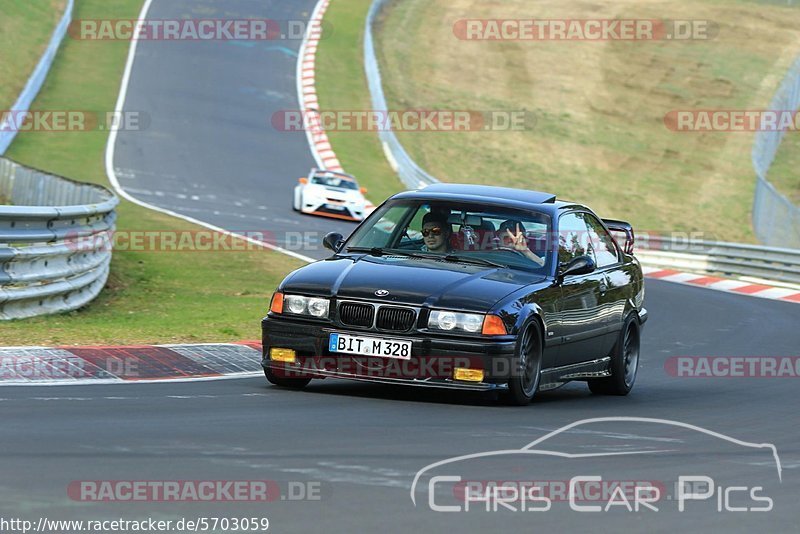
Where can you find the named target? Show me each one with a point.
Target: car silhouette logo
(381, 293)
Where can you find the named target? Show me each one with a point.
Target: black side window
(571, 237)
(600, 242)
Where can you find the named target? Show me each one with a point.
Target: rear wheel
(292, 383)
(526, 369)
(624, 363)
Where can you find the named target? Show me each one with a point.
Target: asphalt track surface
(209, 150)
(364, 443)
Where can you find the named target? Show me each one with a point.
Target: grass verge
(342, 85)
(600, 136)
(164, 297)
(25, 30)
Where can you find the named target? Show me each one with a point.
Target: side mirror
(579, 265)
(363, 190)
(333, 241)
(303, 180)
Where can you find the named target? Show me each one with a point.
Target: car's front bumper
(344, 210)
(432, 362)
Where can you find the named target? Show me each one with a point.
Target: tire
(624, 362)
(527, 368)
(291, 383)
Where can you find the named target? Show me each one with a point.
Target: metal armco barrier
(55, 241)
(775, 219)
(736, 259)
(411, 174)
(36, 79)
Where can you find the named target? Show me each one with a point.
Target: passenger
(512, 235)
(436, 233)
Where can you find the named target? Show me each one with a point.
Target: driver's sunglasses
(432, 231)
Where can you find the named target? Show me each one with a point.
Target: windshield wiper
(378, 251)
(476, 261)
(372, 251)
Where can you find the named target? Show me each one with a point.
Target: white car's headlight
(297, 305)
(454, 322)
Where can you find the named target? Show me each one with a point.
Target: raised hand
(518, 240)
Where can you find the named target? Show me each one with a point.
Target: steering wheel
(511, 249)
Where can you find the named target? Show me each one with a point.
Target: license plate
(370, 346)
(337, 207)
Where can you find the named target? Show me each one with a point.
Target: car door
(617, 283)
(583, 327)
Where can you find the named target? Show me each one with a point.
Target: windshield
(458, 232)
(334, 181)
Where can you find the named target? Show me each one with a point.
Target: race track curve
(209, 150)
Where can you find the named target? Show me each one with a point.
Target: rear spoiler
(622, 227)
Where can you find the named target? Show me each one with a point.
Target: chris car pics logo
(461, 484)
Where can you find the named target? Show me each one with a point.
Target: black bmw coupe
(468, 287)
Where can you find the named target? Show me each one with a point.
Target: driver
(512, 235)
(436, 233)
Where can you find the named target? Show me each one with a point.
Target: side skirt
(558, 376)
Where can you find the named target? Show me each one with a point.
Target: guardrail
(411, 174)
(735, 259)
(38, 77)
(776, 219)
(55, 241)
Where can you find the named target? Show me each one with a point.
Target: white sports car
(331, 194)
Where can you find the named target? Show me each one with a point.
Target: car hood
(334, 192)
(409, 281)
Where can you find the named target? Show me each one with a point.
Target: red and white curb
(318, 140)
(307, 92)
(739, 287)
(128, 364)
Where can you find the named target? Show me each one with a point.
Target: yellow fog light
(468, 375)
(282, 355)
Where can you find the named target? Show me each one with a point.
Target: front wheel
(292, 383)
(624, 363)
(527, 369)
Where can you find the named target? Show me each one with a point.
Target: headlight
(453, 321)
(318, 307)
(298, 305)
(295, 304)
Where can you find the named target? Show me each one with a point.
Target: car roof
(507, 196)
